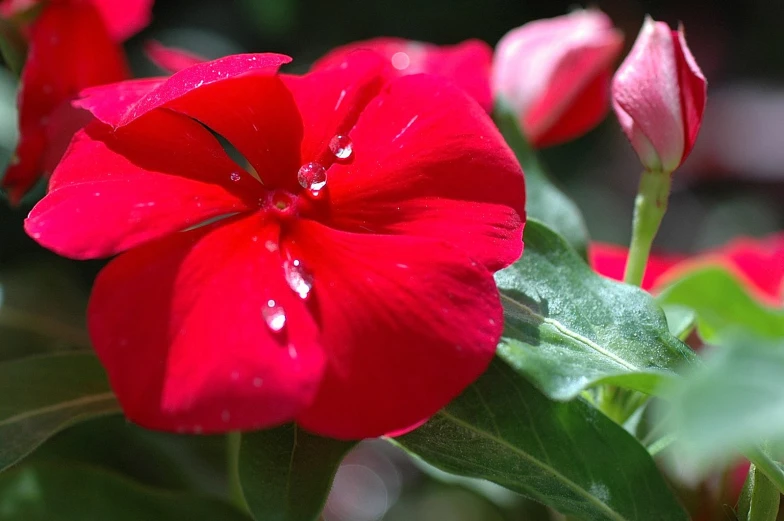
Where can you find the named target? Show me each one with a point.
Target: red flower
(555, 74)
(758, 263)
(659, 96)
(73, 44)
(610, 260)
(467, 63)
(350, 290)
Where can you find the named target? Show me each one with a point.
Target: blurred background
(732, 184)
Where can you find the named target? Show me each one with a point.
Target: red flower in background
(610, 260)
(467, 64)
(350, 290)
(555, 74)
(758, 263)
(73, 44)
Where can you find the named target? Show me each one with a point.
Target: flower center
(282, 203)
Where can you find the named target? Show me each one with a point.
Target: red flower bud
(556, 73)
(659, 96)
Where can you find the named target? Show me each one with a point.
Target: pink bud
(555, 74)
(659, 96)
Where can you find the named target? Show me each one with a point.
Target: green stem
(237, 496)
(649, 208)
(767, 466)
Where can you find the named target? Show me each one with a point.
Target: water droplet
(341, 146)
(234, 176)
(292, 352)
(312, 176)
(197, 429)
(225, 415)
(271, 245)
(298, 278)
(257, 382)
(400, 61)
(274, 316)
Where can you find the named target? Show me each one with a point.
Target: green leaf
(42, 395)
(287, 473)
(730, 404)
(760, 498)
(13, 47)
(681, 320)
(42, 309)
(544, 201)
(722, 305)
(566, 455)
(79, 493)
(568, 328)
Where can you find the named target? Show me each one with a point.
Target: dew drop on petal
(401, 61)
(225, 415)
(274, 315)
(235, 176)
(257, 382)
(341, 146)
(312, 176)
(298, 278)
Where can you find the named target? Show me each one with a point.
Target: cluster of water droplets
(300, 280)
(313, 177)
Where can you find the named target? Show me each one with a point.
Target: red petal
(693, 90)
(757, 263)
(179, 326)
(69, 50)
(115, 189)
(610, 260)
(124, 18)
(586, 111)
(178, 85)
(407, 324)
(580, 84)
(331, 99)
(467, 64)
(239, 97)
(430, 162)
(170, 59)
(108, 102)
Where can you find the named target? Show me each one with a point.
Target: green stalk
(236, 495)
(649, 208)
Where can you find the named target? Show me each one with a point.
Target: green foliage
(80, 493)
(723, 305)
(287, 473)
(566, 455)
(731, 404)
(42, 395)
(760, 499)
(568, 328)
(544, 201)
